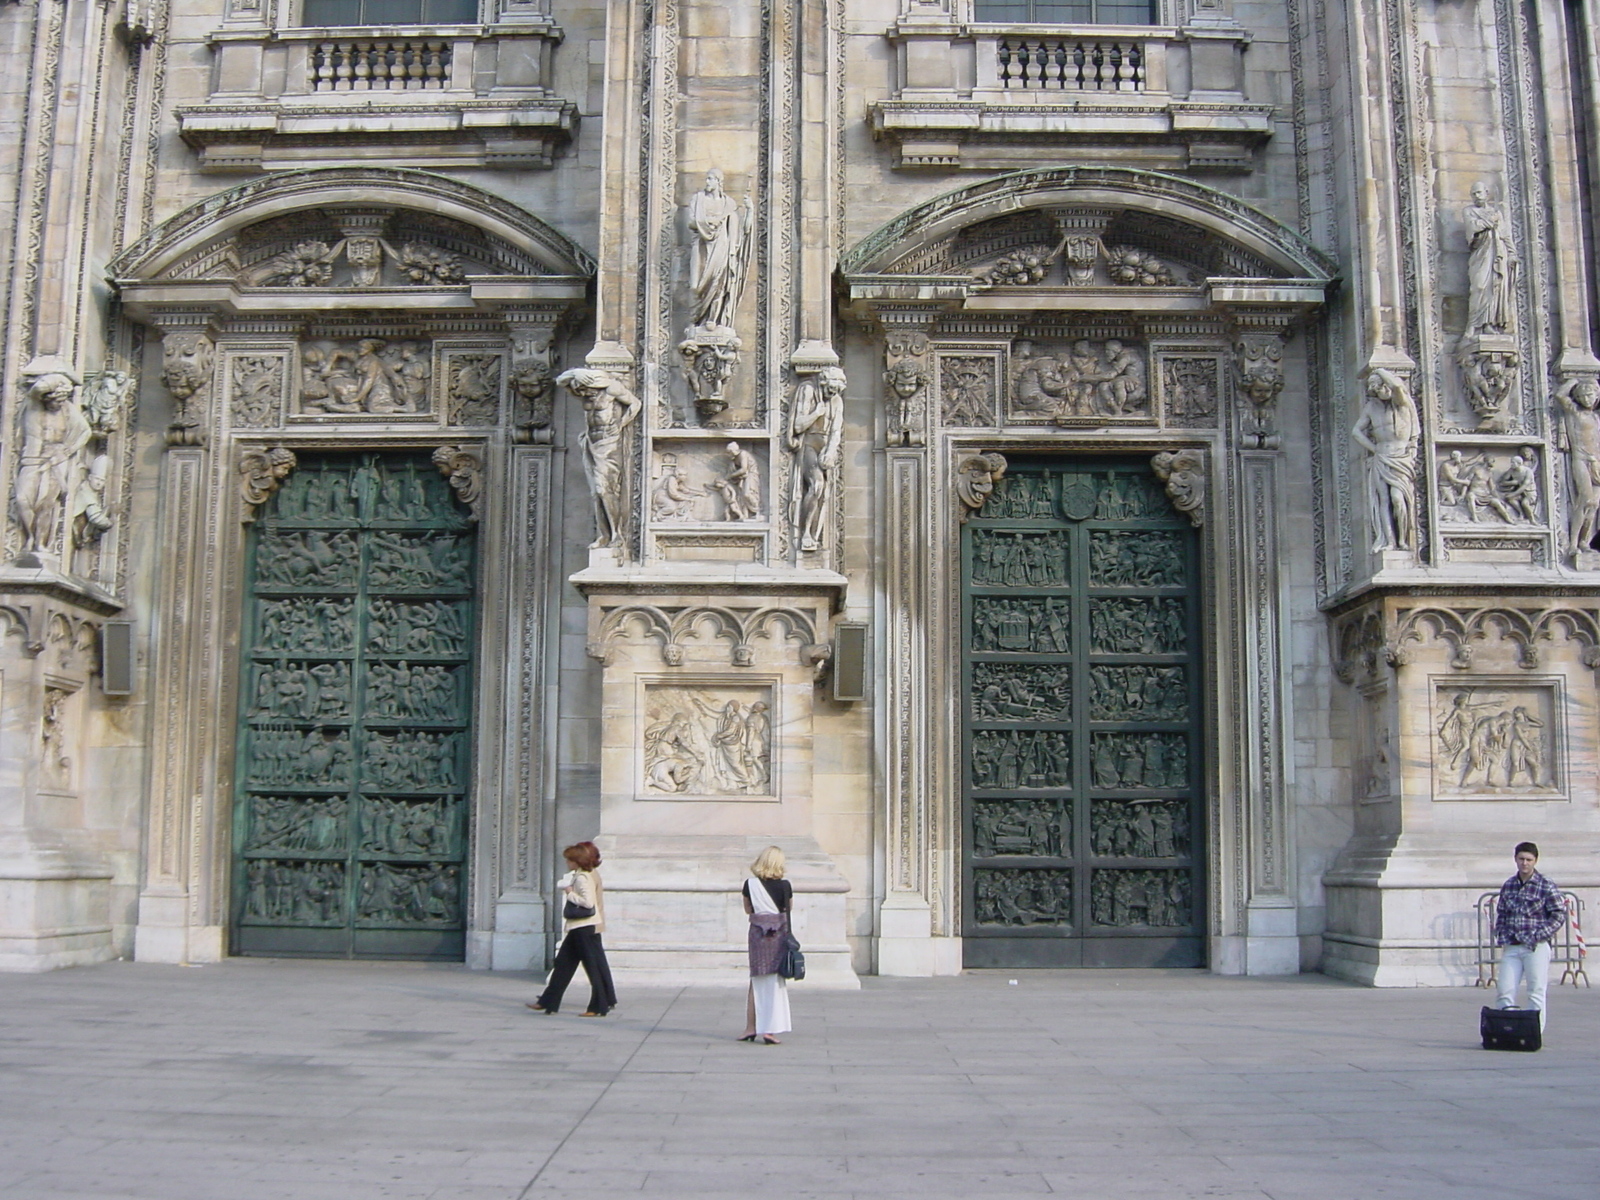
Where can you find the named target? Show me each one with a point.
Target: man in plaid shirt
(1530, 913)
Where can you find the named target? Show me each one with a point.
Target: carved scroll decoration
(464, 471)
(1184, 473)
(261, 474)
(976, 476)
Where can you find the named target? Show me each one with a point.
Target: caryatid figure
(54, 432)
(609, 408)
(1387, 430)
(816, 425)
(721, 230)
(1578, 401)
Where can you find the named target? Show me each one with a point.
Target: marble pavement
(279, 1080)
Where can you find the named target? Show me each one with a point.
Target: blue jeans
(1532, 962)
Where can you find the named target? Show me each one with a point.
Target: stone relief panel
(968, 386)
(1041, 625)
(256, 389)
(1135, 558)
(1138, 692)
(699, 482)
(1489, 484)
(1015, 559)
(1139, 828)
(1189, 386)
(358, 377)
(1083, 382)
(1159, 899)
(1497, 739)
(473, 381)
(710, 740)
(1139, 760)
(1005, 759)
(1021, 691)
(1031, 896)
(1137, 625)
(1030, 828)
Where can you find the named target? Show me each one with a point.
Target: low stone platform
(276, 1080)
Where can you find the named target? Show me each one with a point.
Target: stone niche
(1475, 723)
(706, 758)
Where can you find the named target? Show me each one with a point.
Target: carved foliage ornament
(310, 264)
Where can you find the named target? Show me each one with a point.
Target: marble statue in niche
(721, 246)
(1477, 489)
(1388, 430)
(1491, 265)
(708, 742)
(1089, 380)
(1495, 740)
(366, 375)
(813, 434)
(1578, 434)
(54, 435)
(609, 409)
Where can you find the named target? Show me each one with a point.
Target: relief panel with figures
(1081, 382)
(1497, 739)
(1081, 742)
(351, 812)
(712, 740)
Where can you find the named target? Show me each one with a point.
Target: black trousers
(581, 945)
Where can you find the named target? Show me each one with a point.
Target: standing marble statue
(1491, 265)
(1388, 430)
(722, 230)
(816, 425)
(609, 408)
(1578, 405)
(54, 432)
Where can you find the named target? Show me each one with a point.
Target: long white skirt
(772, 1003)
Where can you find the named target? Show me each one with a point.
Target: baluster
(321, 72)
(1008, 63)
(1080, 57)
(378, 64)
(438, 61)
(1055, 78)
(362, 72)
(1041, 62)
(1124, 69)
(1136, 66)
(1097, 58)
(344, 53)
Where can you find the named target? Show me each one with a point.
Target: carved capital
(906, 375)
(1258, 381)
(261, 474)
(1184, 473)
(186, 359)
(976, 476)
(464, 471)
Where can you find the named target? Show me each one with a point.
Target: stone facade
(497, 434)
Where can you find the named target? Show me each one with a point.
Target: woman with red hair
(583, 917)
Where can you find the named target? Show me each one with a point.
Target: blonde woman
(768, 898)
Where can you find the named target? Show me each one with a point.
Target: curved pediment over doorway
(332, 239)
(1085, 238)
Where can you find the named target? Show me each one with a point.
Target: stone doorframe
(925, 289)
(486, 303)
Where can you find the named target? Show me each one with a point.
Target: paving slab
(262, 1079)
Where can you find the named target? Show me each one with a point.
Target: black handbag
(793, 965)
(1510, 1029)
(573, 911)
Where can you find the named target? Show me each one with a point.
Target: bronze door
(350, 823)
(1081, 739)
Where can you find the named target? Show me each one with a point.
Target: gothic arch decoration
(675, 627)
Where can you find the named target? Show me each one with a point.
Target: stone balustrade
(380, 64)
(1070, 62)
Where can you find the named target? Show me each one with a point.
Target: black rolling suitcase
(1510, 1029)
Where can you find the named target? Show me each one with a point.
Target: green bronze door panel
(1081, 734)
(350, 827)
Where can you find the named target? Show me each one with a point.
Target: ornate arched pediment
(1079, 229)
(333, 231)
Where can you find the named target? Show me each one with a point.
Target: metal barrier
(1567, 947)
